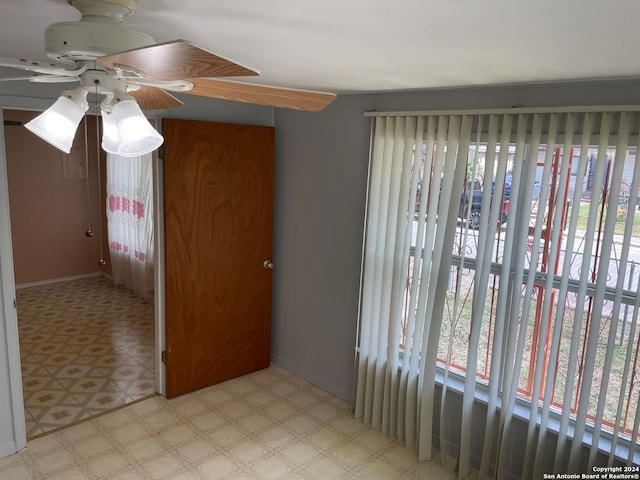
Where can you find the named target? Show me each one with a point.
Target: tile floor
(86, 346)
(266, 425)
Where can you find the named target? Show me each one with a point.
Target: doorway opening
(87, 345)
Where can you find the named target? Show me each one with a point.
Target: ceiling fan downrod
(114, 9)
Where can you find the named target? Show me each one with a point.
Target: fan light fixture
(109, 132)
(127, 132)
(58, 124)
(110, 59)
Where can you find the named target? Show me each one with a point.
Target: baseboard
(312, 378)
(58, 280)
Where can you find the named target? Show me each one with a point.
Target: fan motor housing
(68, 42)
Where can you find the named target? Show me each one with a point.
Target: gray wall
(321, 174)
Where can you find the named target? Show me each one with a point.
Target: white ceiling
(348, 46)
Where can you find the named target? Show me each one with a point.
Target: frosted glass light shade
(109, 133)
(136, 136)
(58, 124)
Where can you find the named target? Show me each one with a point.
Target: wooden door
(218, 208)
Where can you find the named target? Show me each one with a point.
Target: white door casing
(13, 436)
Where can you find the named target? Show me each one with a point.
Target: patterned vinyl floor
(267, 425)
(86, 346)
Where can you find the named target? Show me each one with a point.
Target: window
(515, 265)
(572, 259)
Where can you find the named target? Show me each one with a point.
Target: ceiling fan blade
(53, 79)
(42, 79)
(152, 98)
(39, 67)
(174, 60)
(10, 79)
(261, 94)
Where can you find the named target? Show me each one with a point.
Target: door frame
(8, 311)
(159, 267)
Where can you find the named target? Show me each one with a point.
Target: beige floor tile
(216, 467)
(85, 336)
(266, 425)
(107, 465)
(163, 466)
(71, 474)
(164, 439)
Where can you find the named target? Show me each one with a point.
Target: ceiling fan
(132, 71)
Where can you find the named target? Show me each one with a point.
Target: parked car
(471, 203)
(507, 186)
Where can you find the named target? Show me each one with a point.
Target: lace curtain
(130, 221)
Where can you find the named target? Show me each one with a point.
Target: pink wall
(52, 203)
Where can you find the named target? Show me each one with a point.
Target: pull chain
(102, 261)
(89, 232)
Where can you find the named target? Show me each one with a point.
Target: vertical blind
(502, 254)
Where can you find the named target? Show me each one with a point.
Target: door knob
(267, 264)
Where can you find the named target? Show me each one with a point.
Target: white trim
(505, 111)
(8, 313)
(159, 284)
(8, 449)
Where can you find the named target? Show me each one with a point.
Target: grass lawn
(620, 220)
